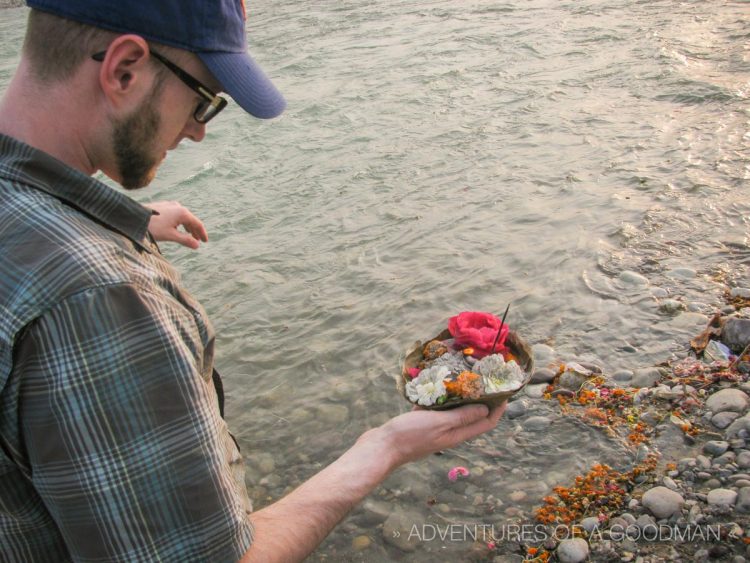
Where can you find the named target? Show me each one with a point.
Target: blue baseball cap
(212, 29)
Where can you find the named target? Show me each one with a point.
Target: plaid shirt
(111, 443)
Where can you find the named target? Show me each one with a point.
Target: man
(112, 447)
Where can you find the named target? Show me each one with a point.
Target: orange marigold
(466, 385)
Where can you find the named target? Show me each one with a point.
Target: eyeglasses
(211, 104)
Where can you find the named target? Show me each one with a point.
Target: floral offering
(476, 359)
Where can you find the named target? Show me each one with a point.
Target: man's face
(165, 117)
(134, 139)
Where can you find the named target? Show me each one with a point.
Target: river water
(582, 160)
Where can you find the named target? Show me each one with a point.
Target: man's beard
(133, 138)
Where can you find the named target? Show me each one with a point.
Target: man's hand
(418, 433)
(166, 225)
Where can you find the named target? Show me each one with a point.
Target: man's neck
(47, 118)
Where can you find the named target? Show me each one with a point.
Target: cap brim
(243, 79)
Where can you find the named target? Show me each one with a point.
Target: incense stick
(500, 330)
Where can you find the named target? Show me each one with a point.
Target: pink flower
(413, 372)
(490, 545)
(477, 330)
(456, 471)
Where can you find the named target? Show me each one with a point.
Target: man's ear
(124, 75)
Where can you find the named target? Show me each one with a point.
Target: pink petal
(456, 471)
(413, 372)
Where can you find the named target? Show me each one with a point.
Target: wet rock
(645, 521)
(516, 409)
(652, 418)
(702, 462)
(740, 424)
(736, 333)
(333, 414)
(264, 463)
(592, 522)
(724, 419)
(732, 400)
(645, 377)
(682, 273)
(743, 500)
(669, 483)
(633, 278)
(542, 375)
(542, 353)
(715, 447)
(670, 306)
(536, 423)
(572, 380)
(360, 543)
(724, 459)
(659, 292)
(743, 459)
(397, 529)
(593, 368)
(622, 375)
(742, 292)
(721, 497)
(535, 391)
(572, 550)
(662, 502)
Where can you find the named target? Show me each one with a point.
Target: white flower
(428, 386)
(499, 375)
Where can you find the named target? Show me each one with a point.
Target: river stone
(682, 273)
(659, 292)
(535, 391)
(743, 459)
(671, 306)
(715, 447)
(572, 550)
(572, 380)
(542, 375)
(724, 419)
(333, 414)
(633, 278)
(742, 423)
(662, 502)
(542, 354)
(742, 292)
(264, 462)
(732, 400)
(590, 523)
(515, 409)
(360, 543)
(398, 527)
(725, 458)
(743, 500)
(536, 423)
(736, 333)
(721, 497)
(623, 375)
(645, 377)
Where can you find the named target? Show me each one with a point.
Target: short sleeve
(121, 427)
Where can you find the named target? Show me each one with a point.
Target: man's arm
(293, 527)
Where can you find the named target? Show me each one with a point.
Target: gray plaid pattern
(111, 443)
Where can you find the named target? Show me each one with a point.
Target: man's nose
(193, 130)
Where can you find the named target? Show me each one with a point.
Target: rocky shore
(686, 496)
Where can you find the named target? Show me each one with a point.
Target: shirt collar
(22, 163)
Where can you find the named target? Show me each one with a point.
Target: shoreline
(686, 423)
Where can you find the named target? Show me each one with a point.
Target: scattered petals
(454, 473)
